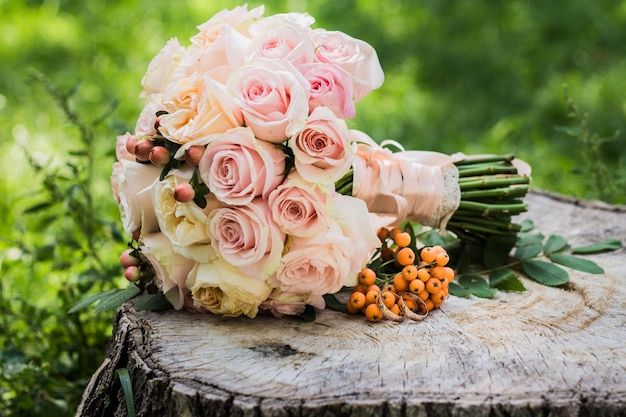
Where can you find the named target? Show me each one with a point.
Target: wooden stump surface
(544, 352)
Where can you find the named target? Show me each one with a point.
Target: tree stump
(547, 351)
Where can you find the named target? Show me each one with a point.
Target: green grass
(461, 76)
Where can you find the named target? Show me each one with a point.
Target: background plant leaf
(545, 273)
(505, 279)
(607, 245)
(577, 263)
(554, 243)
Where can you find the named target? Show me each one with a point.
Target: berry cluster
(400, 283)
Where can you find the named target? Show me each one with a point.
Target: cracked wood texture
(544, 352)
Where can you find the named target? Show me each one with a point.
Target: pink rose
(237, 167)
(331, 87)
(132, 183)
(355, 56)
(318, 265)
(273, 97)
(247, 237)
(238, 18)
(282, 304)
(197, 106)
(146, 123)
(161, 68)
(223, 289)
(322, 150)
(282, 37)
(299, 207)
(171, 270)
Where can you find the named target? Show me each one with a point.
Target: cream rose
(131, 183)
(322, 150)
(281, 304)
(222, 289)
(300, 208)
(121, 152)
(355, 56)
(161, 68)
(237, 167)
(146, 123)
(239, 18)
(247, 237)
(171, 269)
(273, 97)
(331, 87)
(197, 106)
(184, 224)
(318, 265)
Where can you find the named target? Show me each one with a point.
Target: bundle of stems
(492, 191)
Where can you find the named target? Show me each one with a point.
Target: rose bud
(193, 154)
(142, 149)
(132, 273)
(127, 259)
(131, 143)
(159, 156)
(184, 193)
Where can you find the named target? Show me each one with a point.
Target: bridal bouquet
(242, 186)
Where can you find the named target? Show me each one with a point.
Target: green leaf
(456, 290)
(153, 302)
(117, 298)
(505, 279)
(200, 200)
(477, 285)
(527, 225)
(554, 244)
(577, 263)
(497, 250)
(127, 388)
(307, 315)
(545, 273)
(334, 304)
(528, 251)
(606, 245)
(87, 301)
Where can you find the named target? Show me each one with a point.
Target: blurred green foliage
(461, 76)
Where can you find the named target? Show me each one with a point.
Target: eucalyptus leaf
(89, 300)
(554, 243)
(606, 245)
(117, 298)
(577, 263)
(505, 279)
(334, 304)
(153, 302)
(545, 273)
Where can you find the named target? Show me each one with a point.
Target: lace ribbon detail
(420, 186)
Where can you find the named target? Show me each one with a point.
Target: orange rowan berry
(438, 249)
(352, 309)
(383, 234)
(449, 274)
(372, 296)
(442, 259)
(429, 305)
(395, 309)
(411, 304)
(433, 285)
(360, 288)
(423, 274)
(393, 232)
(438, 272)
(428, 254)
(402, 239)
(357, 300)
(409, 272)
(400, 283)
(373, 313)
(416, 286)
(388, 298)
(438, 298)
(423, 295)
(367, 276)
(387, 254)
(390, 288)
(405, 256)
(373, 287)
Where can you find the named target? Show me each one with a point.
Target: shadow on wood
(547, 352)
